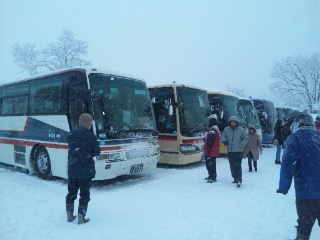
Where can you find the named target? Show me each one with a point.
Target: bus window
(45, 95)
(20, 105)
(7, 106)
(164, 122)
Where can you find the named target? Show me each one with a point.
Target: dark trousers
(308, 211)
(211, 167)
(235, 161)
(250, 159)
(74, 185)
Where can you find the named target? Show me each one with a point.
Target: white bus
(249, 114)
(36, 115)
(181, 132)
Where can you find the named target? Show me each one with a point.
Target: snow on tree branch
(298, 81)
(66, 52)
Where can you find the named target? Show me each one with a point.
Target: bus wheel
(42, 164)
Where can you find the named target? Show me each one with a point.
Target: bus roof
(175, 85)
(244, 99)
(221, 92)
(86, 69)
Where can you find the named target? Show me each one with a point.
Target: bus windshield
(249, 112)
(120, 104)
(193, 105)
(230, 105)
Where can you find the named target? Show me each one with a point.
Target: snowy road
(162, 204)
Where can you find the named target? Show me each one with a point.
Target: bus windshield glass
(193, 105)
(120, 104)
(250, 114)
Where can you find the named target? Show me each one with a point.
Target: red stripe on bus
(29, 143)
(110, 148)
(168, 138)
(194, 141)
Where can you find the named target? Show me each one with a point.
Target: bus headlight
(188, 148)
(109, 156)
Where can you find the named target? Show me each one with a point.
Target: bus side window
(45, 96)
(20, 105)
(7, 106)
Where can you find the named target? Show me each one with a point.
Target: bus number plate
(136, 168)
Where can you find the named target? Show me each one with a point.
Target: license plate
(136, 168)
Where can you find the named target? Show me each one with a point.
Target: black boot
(302, 237)
(81, 215)
(277, 162)
(70, 209)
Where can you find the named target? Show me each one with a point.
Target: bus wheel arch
(41, 162)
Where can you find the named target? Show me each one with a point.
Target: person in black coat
(83, 146)
(278, 134)
(286, 131)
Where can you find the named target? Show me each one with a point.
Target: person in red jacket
(317, 122)
(211, 147)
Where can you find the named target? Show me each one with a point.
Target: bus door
(78, 98)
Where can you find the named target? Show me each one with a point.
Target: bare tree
(298, 80)
(240, 91)
(66, 52)
(27, 57)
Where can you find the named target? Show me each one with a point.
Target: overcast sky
(208, 44)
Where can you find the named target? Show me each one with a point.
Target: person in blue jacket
(83, 146)
(301, 162)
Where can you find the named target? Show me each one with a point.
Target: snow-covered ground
(162, 204)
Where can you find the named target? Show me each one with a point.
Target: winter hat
(213, 120)
(302, 120)
(85, 120)
(318, 118)
(253, 128)
(233, 118)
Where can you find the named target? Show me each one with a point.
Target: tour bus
(37, 113)
(249, 114)
(268, 117)
(224, 104)
(181, 117)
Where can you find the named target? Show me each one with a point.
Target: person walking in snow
(83, 146)
(286, 130)
(235, 138)
(211, 148)
(317, 122)
(252, 148)
(301, 162)
(278, 135)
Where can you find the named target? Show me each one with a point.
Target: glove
(284, 193)
(225, 143)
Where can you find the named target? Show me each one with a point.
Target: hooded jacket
(235, 138)
(253, 145)
(212, 142)
(301, 161)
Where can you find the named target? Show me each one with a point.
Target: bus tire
(42, 164)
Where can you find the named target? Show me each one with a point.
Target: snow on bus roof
(219, 91)
(87, 69)
(176, 85)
